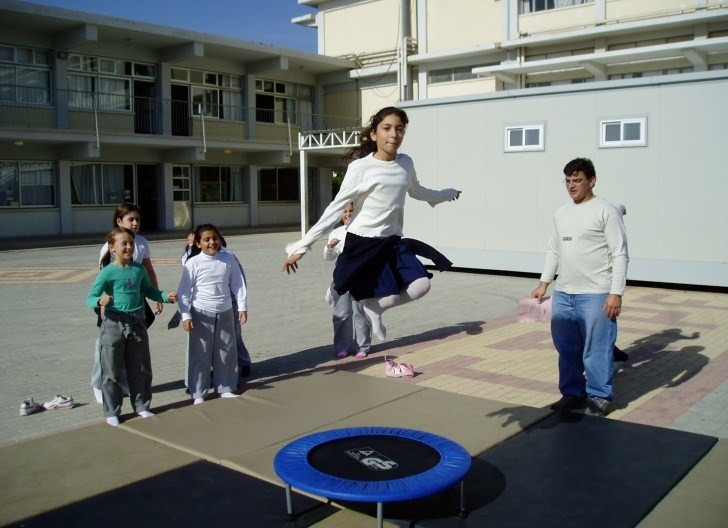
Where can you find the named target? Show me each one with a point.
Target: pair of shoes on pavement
(29, 406)
(398, 370)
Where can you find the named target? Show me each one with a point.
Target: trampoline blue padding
(377, 450)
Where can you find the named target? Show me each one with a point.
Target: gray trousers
(346, 332)
(211, 345)
(119, 349)
(96, 370)
(243, 354)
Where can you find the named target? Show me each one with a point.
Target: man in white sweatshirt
(588, 256)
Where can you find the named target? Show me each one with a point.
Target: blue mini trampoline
(372, 464)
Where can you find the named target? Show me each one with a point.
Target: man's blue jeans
(584, 338)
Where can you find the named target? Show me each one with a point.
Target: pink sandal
(398, 370)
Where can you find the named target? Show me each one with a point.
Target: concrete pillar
(65, 213)
(253, 178)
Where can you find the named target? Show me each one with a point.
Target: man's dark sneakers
(598, 406)
(567, 403)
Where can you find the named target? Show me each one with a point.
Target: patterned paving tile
(54, 275)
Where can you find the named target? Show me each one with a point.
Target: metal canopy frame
(320, 140)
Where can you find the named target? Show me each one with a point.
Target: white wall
(674, 189)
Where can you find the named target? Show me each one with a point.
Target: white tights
(375, 306)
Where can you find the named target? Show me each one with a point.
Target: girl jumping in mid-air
(375, 266)
(210, 279)
(120, 289)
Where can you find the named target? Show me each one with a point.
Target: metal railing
(123, 114)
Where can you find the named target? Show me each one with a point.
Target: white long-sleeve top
(334, 252)
(588, 249)
(208, 283)
(378, 189)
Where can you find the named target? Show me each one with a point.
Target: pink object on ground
(398, 370)
(531, 311)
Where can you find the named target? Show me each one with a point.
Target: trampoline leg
(380, 515)
(289, 504)
(463, 511)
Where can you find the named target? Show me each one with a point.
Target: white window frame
(509, 147)
(621, 142)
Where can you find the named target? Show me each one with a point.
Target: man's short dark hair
(584, 165)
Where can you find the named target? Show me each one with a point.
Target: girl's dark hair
(194, 248)
(366, 144)
(124, 209)
(110, 239)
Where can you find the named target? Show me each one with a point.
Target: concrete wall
(462, 24)
(674, 188)
(371, 26)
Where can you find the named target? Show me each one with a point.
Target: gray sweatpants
(211, 344)
(345, 309)
(124, 343)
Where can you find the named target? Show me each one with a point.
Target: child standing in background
(345, 307)
(244, 360)
(129, 216)
(210, 279)
(120, 289)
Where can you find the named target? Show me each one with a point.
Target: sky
(265, 21)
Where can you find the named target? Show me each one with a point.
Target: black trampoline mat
(373, 457)
(573, 470)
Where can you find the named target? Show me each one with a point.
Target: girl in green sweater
(121, 288)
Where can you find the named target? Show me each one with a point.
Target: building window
(453, 74)
(215, 95)
(278, 185)
(102, 183)
(524, 138)
(28, 183)
(283, 103)
(221, 184)
(623, 132)
(651, 73)
(24, 75)
(531, 6)
(107, 81)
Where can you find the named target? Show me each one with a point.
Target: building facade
(194, 128)
(502, 93)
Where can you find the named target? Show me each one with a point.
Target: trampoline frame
(292, 466)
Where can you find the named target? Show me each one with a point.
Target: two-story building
(502, 93)
(193, 127)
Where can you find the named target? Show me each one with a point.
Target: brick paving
(463, 337)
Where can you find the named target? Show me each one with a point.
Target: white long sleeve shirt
(378, 189)
(207, 283)
(333, 253)
(588, 249)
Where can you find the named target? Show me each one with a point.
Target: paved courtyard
(463, 337)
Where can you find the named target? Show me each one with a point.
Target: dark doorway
(146, 109)
(180, 110)
(149, 200)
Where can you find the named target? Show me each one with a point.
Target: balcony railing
(123, 114)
